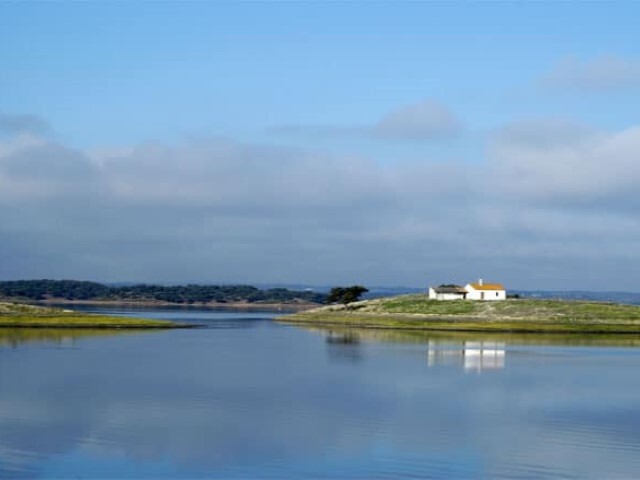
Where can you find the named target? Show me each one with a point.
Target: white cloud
(556, 162)
(551, 193)
(603, 73)
(17, 124)
(424, 121)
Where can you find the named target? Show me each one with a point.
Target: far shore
(254, 306)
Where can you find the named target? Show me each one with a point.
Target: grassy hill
(516, 315)
(18, 315)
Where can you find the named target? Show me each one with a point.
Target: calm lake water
(251, 398)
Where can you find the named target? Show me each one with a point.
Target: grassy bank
(416, 312)
(29, 316)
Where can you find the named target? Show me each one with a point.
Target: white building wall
(473, 294)
(450, 296)
(433, 295)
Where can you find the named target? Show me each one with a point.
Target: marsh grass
(20, 315)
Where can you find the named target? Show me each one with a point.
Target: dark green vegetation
(517, 315)
(346, 295)
(72, 290)
(20, 316)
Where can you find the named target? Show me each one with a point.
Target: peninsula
(13, 315)
(418, 312)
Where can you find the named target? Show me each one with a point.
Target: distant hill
(74, 290)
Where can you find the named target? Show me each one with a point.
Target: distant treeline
(77, 290)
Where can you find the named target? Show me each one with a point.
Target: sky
(321, 143)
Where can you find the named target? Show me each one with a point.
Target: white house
(448, 292)
(485, 291)
(472, 291)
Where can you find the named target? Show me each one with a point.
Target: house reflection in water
(471, 355)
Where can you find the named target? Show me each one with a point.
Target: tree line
(35, 290)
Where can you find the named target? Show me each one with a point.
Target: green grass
(416, 312)
(20, 315)
(420, 304)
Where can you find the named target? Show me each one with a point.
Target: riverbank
(13, 315)
(241, 306)
(416, 312)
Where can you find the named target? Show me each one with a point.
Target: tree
(346, 295)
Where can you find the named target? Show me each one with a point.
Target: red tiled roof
(487, 286)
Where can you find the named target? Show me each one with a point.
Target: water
(251, 398)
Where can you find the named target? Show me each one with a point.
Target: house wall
(449, 296)
(474, 294)
(432, 295)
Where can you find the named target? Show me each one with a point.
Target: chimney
(480, 281)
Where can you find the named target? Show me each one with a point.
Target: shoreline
(87, 326)
(471, 325)
(284, 306)
(15, 315)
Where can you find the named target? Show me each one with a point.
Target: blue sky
(436, 126)
(126, 71)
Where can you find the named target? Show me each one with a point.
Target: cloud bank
(15, 124)
(602, 73)
(552, 205)
(425, 121)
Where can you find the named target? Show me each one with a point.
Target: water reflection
(143, 309)
(282, 402)
(343, 346)
(213, 317)
(471, 351)
(471, 355)
(534, 339)
(59, 337)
